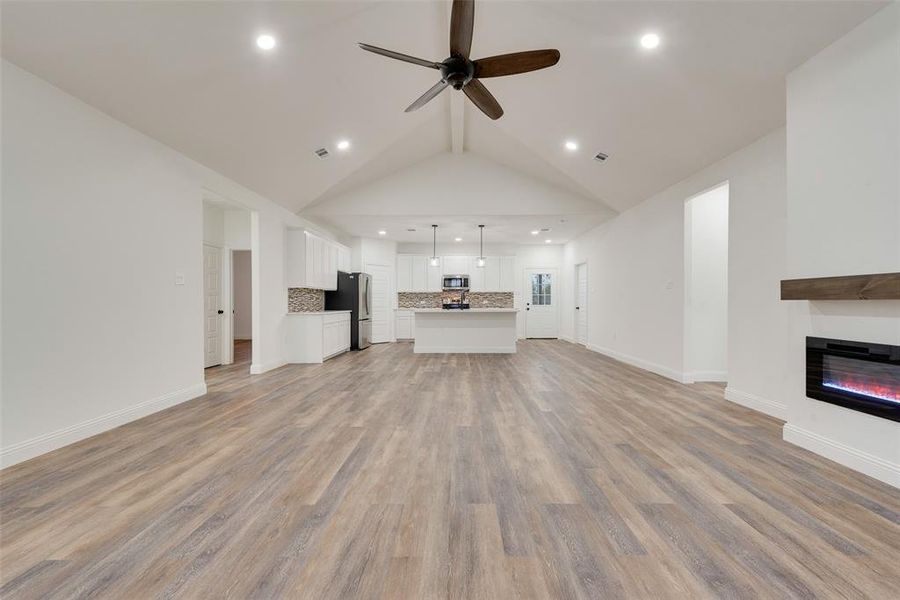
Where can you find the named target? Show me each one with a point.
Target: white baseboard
(763, 405)
(259, 369)
(866, 463)
(63, 437)
(640, 363)
(701, 376)
(464, 349)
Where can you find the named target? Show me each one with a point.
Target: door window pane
(541, 289)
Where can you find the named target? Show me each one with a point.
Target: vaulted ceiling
(190, 75)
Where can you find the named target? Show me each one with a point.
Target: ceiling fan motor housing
(457, 71)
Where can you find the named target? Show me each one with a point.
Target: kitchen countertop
(454, 311)
(319, 312)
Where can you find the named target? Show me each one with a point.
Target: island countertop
(457, 311)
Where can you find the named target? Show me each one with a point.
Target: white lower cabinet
(316, 337)
(405, 326)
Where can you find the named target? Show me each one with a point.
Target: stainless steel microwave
(456, 282)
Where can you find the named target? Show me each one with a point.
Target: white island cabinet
(473, 331)
(314, 337)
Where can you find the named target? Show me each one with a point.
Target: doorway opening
(541, 317)
(581, 304)
(227, 284)
(706, 286)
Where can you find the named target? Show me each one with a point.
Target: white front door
(540, 303)
(381, 302)
(581, 299)
(212, 301)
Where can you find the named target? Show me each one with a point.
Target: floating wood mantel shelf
(880, 286)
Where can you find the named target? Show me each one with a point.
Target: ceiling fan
(462, 73)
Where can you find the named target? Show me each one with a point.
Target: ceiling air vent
(601, 157)
(322, 153)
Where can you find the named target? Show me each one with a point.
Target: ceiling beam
(457, 121)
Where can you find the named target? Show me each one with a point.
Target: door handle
(527, 309)
(221, 312)
(577, 308)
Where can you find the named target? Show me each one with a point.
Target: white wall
(98, 219)
(97, 222)
(241, 281)
(236, 229)
(706, 296)
(636, 272)
(480, 187)
(843, 218)
(213, 225)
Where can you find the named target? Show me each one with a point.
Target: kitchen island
(476, 330)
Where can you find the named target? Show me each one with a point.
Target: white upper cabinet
(313, 262)
(476, 275)
(343, 259)
(457, 265)
(491, 271)
(507, 281)
(419, 273)
(434, 275)
(404, 273)
(415, 273)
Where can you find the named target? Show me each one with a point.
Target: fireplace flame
(865, 388)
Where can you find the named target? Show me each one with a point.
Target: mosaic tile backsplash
(490, 299)
(305, 300)
(476, 299)
(419, 299)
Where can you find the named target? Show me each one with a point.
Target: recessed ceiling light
(535, 231)
(649, 40)
(548, 241)
(457, 239)
(571, 145)
(265, 41)
(343, 145)
(382, 232)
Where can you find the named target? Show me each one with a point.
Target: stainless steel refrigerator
(354, 293)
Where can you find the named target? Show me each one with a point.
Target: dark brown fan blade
(517, 62)
(462, 21)
(427, 96)
(483, 99)
(404, 57)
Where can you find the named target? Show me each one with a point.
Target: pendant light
(480, 262)
(435, 261)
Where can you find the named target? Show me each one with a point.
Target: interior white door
(212, 302)
(541, 318)
(581, 303)
(381, 302)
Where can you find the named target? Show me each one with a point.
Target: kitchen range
(458, 328)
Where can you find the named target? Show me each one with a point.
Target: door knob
(577, 308)
(221, 312)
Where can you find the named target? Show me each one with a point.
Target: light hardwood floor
(552, 473)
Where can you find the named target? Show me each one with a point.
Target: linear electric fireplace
(856, 375)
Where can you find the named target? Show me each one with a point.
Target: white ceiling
(190, 75)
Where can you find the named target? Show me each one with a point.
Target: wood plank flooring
(551, 473)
